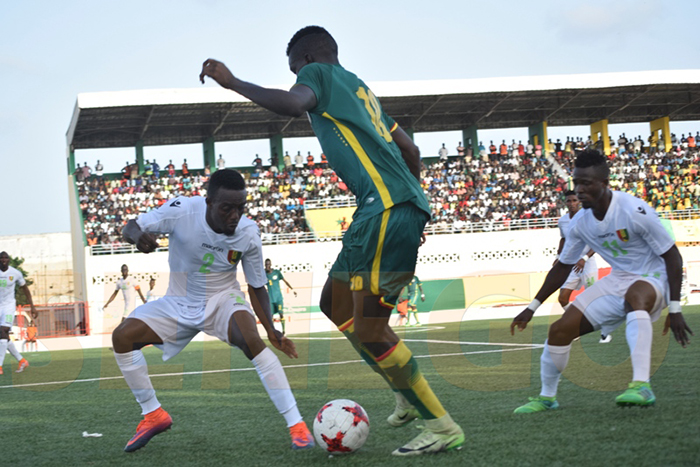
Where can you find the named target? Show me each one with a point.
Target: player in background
(381, 165)
(209, 238)
(9, 279)
(150, 294)
(127, 285)
(273, 289)
(30, 334)
(412, 290)
(585, 271)
(646, 272)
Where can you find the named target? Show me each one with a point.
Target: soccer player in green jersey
(380, 164)
(274, 276)
(412, 291)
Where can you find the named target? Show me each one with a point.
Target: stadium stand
(487, 191)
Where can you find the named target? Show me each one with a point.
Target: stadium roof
(181, 116)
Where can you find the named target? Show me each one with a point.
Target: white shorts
(177, 322)
(603, 304)
(585, 278)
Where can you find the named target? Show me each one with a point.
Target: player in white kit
(646, 273)
(9, 277)
(127, 285)
(585, 271)
(208, 239)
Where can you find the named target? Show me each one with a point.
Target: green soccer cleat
(538, 404)
(402, 415)
(430, 442)
(638, 394)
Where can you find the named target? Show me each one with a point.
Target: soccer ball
(341, 426)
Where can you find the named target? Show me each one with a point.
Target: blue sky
(52, 51)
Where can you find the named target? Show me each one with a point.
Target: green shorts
(277, 307)
(379, 253)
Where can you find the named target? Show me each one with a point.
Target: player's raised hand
(280, 342)
(216, 71)
(146, 243)
(679, 327)
(521, 320)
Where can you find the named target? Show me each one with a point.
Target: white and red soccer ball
(341, 426)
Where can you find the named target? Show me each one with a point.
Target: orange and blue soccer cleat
(301, 437)
(22, 365)
(152, 424)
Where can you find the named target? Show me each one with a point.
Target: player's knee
(120, 339)
(250, 345)
(561, 334)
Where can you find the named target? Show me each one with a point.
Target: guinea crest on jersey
(8, 279)
(630, 238)
(203, 262)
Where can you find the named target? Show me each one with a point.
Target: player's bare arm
(409, 151)
(114, 295)
(260, 301)
(292, 103)
(553, 282)
(28, 294)
(559, 250)
(290, 286)
(675, 321)
(145, 242)
(580, 264)
(143, 299)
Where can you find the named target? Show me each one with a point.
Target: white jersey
(127, 286)
(8, 279)
(203, 262)
(564, 225)
(630, 237)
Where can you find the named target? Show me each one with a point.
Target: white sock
(401, 401)
(3, 349)
(553, 361)
(275, 382)
(133, 367)
(639, 334)
(13, 350)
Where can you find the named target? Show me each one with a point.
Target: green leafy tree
(19, 293)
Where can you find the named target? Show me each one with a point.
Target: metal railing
(59, 320)
(325, 203)
(430, 229)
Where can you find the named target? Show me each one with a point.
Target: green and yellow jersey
(273, 286)
(355, 134)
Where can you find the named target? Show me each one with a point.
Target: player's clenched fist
(146, 243)
(216, 71)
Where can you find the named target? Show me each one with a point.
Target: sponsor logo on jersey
(623, 235)
(175, 204)
(234, 257)
(212, 247)
(641, 210)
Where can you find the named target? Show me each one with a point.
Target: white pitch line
(431, 341)
(232, 370)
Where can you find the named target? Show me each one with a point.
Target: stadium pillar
(209, 153)
(277, 147)
(537, 134)
(471, 137)
(139, 155)
(662, 124)
(71, 160)
(601, 128)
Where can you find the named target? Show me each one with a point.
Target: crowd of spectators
(492, 183)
